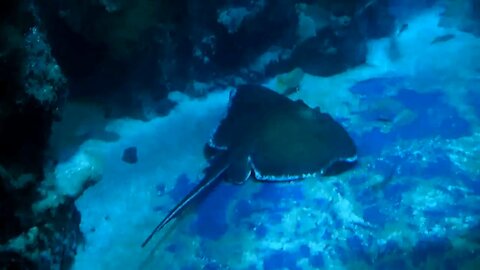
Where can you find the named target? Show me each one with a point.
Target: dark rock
(130, 155)
(325, 54)
(24, 125)
(32, 93)
(228, 37)
(10, 206)
(105, 46)
(106, 50)
(11, 260)
(275, 24)
(59, 236)
(375, 19)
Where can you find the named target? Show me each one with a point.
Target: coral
(48, 245)
(69, 180)
(232, 18)
(42, 76)
(31, 83)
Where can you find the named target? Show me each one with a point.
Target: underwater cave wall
(145, 49)
(33, 91)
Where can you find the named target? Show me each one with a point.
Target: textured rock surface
(147, 48)
(33, 88)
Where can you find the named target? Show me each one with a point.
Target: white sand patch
(117, 213)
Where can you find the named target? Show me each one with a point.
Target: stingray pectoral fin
(212, 175)
(239, 171)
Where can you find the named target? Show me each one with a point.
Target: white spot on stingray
(350, 159)
(285, 177)
(248, 175)
(213, 145)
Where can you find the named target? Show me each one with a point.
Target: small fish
(130, 155)
(442, 38)
(384, 119)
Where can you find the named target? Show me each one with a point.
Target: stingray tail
(212, 175)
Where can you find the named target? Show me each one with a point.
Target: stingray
(272, 138)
